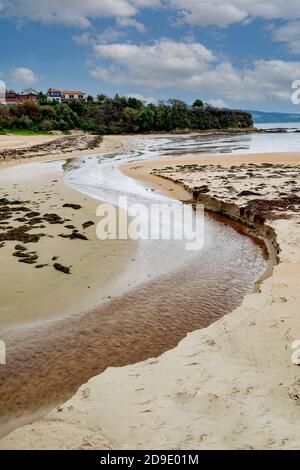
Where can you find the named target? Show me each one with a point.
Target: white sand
(230, 386)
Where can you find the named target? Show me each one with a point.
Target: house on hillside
(65, 95)
(12, 97)
(28, 95)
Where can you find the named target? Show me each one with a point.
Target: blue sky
(239, 53)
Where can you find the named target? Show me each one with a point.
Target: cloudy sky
(242, 53)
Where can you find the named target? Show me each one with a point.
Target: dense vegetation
(119, 115)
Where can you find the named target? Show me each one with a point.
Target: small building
(28, 95)
(65, 95)
(54, 95)
(12, 97)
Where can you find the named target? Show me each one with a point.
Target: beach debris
(20, 234)
(61, 268)
(29, 259)
(40, 266)
(53, 219)
(88, 224)
(74, 235)
(76, 207)
(248, 193)
(20, 254)
(35, 221)
(95, 142)
(32, 215)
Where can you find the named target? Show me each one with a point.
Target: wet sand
(34, 292)
(18, 141)
(231, 385)
(48, 363)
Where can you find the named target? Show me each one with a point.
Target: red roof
(70, 92)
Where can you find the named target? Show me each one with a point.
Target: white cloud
(73, 12)
(195, 12)
(223, 13)
(167, 64)
(84, 39)
(69, 12)
(157, 62)
(23, 76)
(131, 22)
(108, 35)
(145, 99)
(289, 34)
(218, 103)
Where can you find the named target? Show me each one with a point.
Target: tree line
(119, 115)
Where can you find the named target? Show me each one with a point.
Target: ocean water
(236, 144)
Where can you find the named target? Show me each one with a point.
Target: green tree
(198, 104)
(42, 98)
(145, 119)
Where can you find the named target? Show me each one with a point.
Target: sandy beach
(37, 287)
(231, 385)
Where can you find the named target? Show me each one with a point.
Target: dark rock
(53, 219)
(74, 235)
(21, 254)
(248, 193)
(29, 260)
(61, 268)
(20, 248)
(32, 214)
(88, 224)
(76, 207)
(20, 234)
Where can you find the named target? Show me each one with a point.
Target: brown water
(47, 363)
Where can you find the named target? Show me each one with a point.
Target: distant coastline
(262, 117)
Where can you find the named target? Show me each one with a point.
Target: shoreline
(45, 293)
(193, 390)
(76, 144)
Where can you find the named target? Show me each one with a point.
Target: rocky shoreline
(80, 142)
(243, 195)
(64, 144)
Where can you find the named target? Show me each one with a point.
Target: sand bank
(31, 292)
(15, 150)
(232, 385)
(18, 141)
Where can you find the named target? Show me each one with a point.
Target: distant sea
(282, 125)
